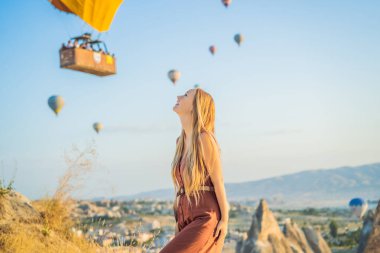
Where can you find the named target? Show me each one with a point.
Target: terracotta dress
(196, 224)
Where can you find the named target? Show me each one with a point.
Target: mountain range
(321, 187)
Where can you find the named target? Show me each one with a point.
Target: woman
(201, 207)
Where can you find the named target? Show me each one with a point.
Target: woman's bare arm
(213, 163)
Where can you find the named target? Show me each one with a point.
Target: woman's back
(179, 173)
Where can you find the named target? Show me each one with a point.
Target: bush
(6, 189)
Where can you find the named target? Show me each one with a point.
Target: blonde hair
(194, 174)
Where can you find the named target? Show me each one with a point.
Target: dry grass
(56, 210)
(50, 230)
(22, 238)
(5, 189)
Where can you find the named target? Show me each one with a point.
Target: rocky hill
(26, 228)
(265, 236)
(322, 187)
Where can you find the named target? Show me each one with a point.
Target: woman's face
(184, 103)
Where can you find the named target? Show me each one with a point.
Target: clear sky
(302, 92)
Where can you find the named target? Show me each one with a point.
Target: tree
(333, 229)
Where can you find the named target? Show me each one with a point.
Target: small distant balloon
(226, 3)
(56, 103)
(212, 49)
(196, 85)
(174, 75)
(239, 38)
(98, 126)
(358, 207)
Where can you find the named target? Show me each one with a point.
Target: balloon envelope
(358, 207)
(238, 38)
(97, 13)
(98, 126)
(226, 3)
(174, 75)
(56, 103)
(212, 50)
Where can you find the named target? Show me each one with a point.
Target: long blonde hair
(194, 174)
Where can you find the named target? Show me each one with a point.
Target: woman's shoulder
(208, 138)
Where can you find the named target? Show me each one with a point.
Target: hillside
(322, 187)
(40, 226)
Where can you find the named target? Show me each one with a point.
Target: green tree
(333, 229)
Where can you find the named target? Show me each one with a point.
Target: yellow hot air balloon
(97, 13)
(98, 126)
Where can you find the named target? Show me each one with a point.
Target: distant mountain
(322, 187)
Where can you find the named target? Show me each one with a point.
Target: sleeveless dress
(196, 224)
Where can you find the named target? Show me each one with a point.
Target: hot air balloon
(97, 126)
(174, 75)
(226, 3)
(196, 85)
(98, 14)
(358, 207)
(239, 38)
(56, 103)
(212, 49)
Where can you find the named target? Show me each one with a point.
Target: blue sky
(302, 92)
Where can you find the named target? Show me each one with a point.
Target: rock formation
(370, 235)
(315, 240)
(265, 236)
(15, 207)
(296, 237)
